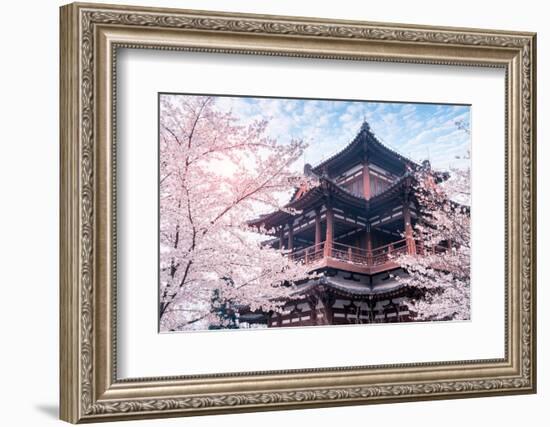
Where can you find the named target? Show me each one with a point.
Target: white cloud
(415, 130)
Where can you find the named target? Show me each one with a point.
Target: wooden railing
(382, 254)
(349, 253)
(378, 256)
(309, 254)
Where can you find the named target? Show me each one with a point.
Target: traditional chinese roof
(312, 198)
(350, 288)
(339, 195)
(365, 145)
(396, 189)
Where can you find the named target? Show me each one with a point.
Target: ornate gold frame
(90, 35)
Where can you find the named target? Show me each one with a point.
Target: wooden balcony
(359, 260)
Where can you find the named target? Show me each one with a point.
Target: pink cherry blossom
(443, 278)
(215, 174)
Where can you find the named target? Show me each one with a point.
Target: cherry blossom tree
(215, 174)
(440, 270)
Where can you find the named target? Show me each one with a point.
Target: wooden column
(312, 301)
(411, 247)
(291, 235)
(281, 238)
(330, 231)
(317, 228)
(368, 245)
(329, 315)
(366, 180)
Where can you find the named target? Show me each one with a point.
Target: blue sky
(418, 131)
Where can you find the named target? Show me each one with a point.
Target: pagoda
(360, 214)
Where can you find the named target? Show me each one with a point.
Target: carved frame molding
(90, 36)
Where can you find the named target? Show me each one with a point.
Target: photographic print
(264, 185)
(288, 212)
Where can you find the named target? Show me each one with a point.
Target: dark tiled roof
(364, 133)
(349, 287)
(331, 185)
(318, 192)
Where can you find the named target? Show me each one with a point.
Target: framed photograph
(267, 212)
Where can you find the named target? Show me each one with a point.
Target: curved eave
(327, 187)
(270, 219)
(316, 195)
(365, 141)
(353, 146)
(352, 291)
(344, 195)
(279, 217)
(396, 189)
(313, 198)
(309, 198)
(384, 150)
